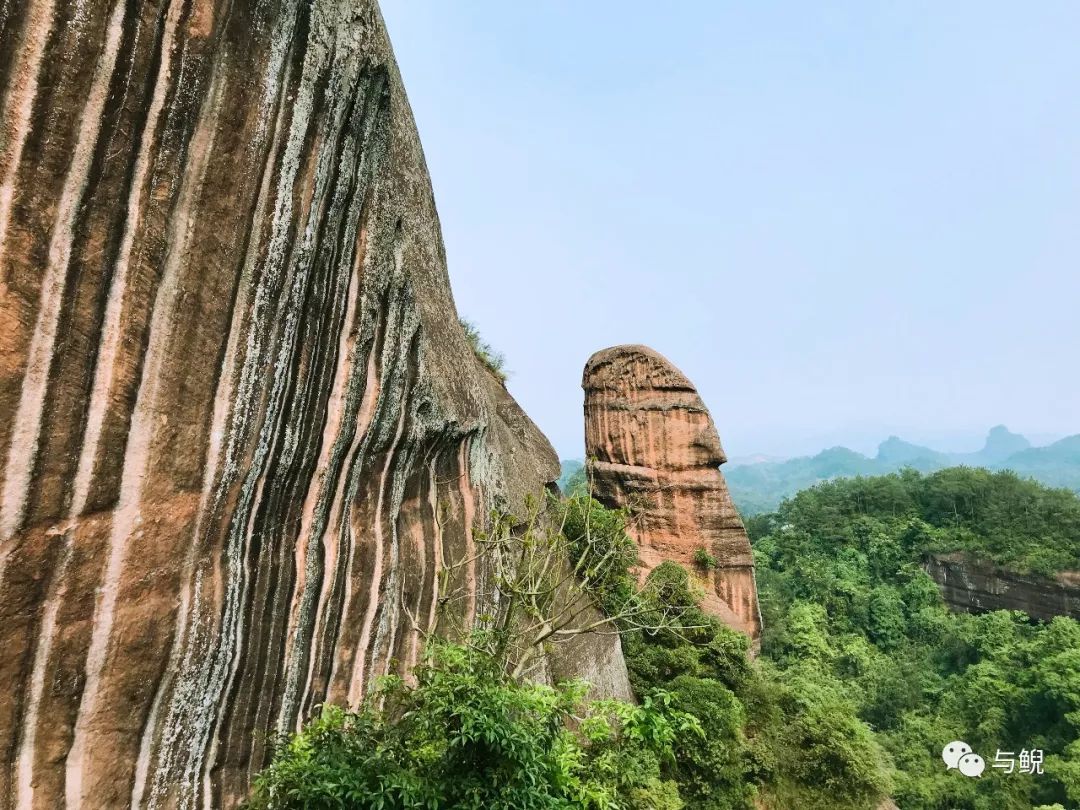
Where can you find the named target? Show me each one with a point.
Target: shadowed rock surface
(973, 587)
(239, 420)
(653, 447)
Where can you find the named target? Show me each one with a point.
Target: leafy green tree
(470, 737)
(886, 623)
(711, 771)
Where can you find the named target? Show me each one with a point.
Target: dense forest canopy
(999, 517)
(847, 606)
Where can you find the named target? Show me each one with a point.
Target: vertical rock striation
(239, 422)
(652, 447)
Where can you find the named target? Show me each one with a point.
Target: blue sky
(841, 220)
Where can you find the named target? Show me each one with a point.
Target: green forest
(863, 676)
(847, 606)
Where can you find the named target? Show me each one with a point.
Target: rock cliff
(239, 421)
(652, 447)
(975, 587)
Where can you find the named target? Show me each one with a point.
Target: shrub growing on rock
(704, 560)
(469, 736)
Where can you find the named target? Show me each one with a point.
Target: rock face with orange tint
(653, 447)
(240, 424)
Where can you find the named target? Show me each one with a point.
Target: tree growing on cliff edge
(560, 573)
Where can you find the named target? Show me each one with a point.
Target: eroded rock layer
(652, 447)
(239, 422)
(970, 586)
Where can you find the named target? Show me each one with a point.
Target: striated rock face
(974, 587)
(653, 447)
(239, 421)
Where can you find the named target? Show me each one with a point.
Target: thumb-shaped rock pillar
(652, 447)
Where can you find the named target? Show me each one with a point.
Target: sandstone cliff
(239, 421)
(974, 587)
(652, 447)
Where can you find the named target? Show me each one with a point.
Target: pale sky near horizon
(842, 220)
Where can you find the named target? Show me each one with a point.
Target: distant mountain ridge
(1001, 444)
(759, 483)
(759, 487)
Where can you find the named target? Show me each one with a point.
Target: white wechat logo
(971, 765)
(958, 754)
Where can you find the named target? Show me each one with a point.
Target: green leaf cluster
(704, 560)
(465, 735)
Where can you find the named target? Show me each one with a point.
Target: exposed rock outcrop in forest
(977, 587)
(240, 423)
(652, 446)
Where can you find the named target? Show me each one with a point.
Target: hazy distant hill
(1057, 464)
(570, 466)
(1001, 443)
(894, 451)
(760, 487)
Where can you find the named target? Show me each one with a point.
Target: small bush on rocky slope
(704, 560)
(493, 360)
